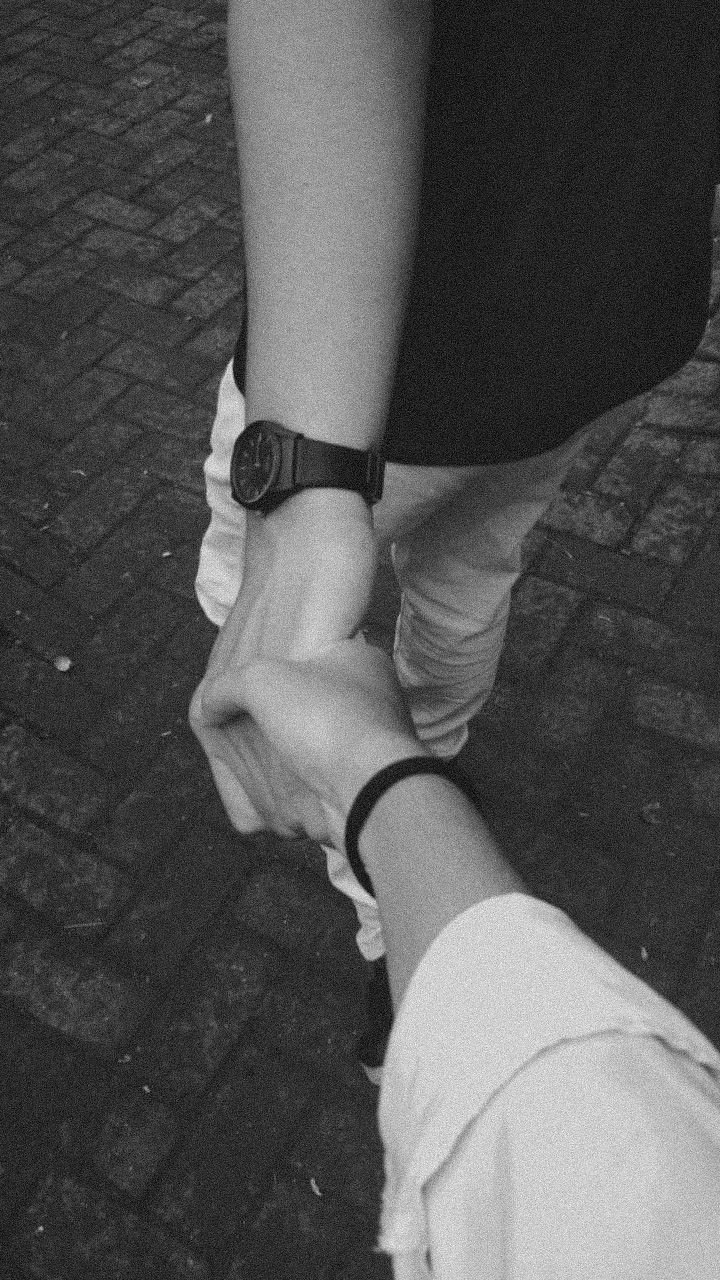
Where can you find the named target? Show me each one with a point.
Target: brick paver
(178, 1092)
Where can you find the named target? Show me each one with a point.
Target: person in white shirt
(545, 1115)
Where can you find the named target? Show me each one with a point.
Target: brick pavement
(179, 1096)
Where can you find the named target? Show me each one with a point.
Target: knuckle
(195, 716)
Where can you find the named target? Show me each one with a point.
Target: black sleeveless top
(563, 258)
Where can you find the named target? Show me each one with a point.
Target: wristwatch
(270, 462)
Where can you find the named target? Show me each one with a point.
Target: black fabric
(563, 258)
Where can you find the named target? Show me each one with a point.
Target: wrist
(325, 526)
(312, 508)
(377, 753)
(356, 773)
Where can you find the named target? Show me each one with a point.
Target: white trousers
(455, 536)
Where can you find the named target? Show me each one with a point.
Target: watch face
(255, 464)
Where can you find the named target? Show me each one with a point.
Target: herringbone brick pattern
(178, 1090)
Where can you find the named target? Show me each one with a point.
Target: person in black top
(470, 229)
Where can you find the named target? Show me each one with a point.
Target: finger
(224, 697)
(250, 797)
(232, 778)
(195, 716)
(256, 790)
(243, 815)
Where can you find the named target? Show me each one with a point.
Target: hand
(309, 733)
(243, 764)
(308, 575)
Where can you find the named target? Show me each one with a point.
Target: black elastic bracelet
(381, 782)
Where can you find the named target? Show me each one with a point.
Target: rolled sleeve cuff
(509, 979)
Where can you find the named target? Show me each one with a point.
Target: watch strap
(321, 465)
(239, 363)
(316, 463)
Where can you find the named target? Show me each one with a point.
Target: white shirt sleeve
(546, 1115)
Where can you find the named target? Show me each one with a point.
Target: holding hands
(303, 735)
(308, 573)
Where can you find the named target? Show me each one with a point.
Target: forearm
(430, 856)
(329, 102)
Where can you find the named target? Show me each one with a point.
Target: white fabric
(455, 535)
(545, 1114)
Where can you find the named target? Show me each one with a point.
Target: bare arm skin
(319, 730)
(329, 102)
(329, 99)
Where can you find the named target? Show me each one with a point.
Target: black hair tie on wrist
(381, 782)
